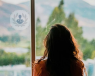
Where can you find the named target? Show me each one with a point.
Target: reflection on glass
(14, 44)
(78, 16)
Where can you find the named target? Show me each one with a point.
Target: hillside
(6, 10)
(81, 8)
(84, 13)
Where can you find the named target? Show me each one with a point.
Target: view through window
(78, 16)
(15, 38)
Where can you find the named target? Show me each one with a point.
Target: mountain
(6, 10)
(81, 8)
(84, 13)
(27, 4)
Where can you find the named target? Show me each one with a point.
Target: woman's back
(62, 53)
(76, 68)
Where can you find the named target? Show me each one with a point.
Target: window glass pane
(78, 16)
(15, 35)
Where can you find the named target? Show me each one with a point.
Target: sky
(91, 2)
(15, 1)
(40, 12)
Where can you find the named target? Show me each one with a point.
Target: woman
(61, 56)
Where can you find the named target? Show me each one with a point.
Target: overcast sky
(15, 1)
(91, 2)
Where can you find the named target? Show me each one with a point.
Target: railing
(22, 70)
(17, 70)
(90, 67)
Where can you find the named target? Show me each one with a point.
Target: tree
(4, 38)
(39, 37)
(15, 38)
(11, 58)
(93, 55)
(87, 53)
(2, 52)
(72, 24)
(57, 16)
(92, 43)
(38, 22)
(61, 4)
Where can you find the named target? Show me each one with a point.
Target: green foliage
(38, 21)
(58, 16)
(61, 4)
(27, 57)
(1, 52)
(87, 53)
(11, 58)
(15, 38)
(92, 43)
(72, 24)
(4, 38)
(93, 55)
(39, 37)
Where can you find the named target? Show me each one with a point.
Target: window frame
(32, 33)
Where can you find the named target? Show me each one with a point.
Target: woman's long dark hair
(60, 48)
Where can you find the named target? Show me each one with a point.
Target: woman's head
(60, 42)
(60, 48)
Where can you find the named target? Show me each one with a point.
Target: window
(15, 38)
(15, 45)
(77, 15)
